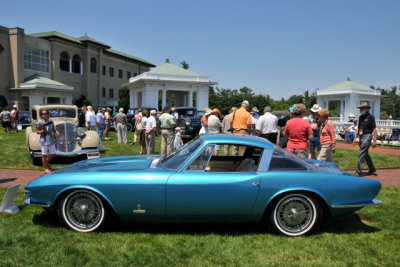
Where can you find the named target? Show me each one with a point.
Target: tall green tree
(123, 101)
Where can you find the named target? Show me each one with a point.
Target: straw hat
(315, 108)
(364, 105)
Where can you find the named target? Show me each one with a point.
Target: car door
(198, 194)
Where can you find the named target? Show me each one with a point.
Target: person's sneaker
(372, 173)
(106, 138)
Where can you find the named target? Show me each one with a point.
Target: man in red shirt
(298, 131)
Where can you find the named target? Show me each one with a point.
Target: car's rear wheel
(129, 127)
(82, 211)
(295, 215)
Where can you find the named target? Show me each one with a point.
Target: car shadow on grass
(344, 224)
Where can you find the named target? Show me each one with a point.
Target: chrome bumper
(28, 201)
(357, 204)
(91, 153)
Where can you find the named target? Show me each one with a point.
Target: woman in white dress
(204, 121)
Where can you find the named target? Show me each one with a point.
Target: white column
(341, 110)
(70, 65)
(131, 98)
(190, 99)
(81, 67)
(164, 99)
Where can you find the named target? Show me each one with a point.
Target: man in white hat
(151, 126)
(366, 131)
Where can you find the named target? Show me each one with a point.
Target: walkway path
(9, 177)
(378, 149)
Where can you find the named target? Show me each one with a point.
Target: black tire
(295, 214)
(37, 161)
(82, 211)
(129, 127)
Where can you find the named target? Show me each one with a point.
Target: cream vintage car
(72, 139)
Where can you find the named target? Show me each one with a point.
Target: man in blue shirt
(366, 132)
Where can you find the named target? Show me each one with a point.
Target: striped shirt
(327, 134)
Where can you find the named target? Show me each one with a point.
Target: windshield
(62, 112)
(174, 160)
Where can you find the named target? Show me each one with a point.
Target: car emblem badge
(139, 210)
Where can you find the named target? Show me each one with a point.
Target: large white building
(350, 94)
(169, 81)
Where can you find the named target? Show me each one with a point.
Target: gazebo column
(164, 99)
(341, 110)
(131, 99)
(70, 65)
(190, 99)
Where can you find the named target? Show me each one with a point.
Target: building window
(36, 59)
(128, 75)
(103, 92)
(111, 93)
(93, 65)
(104, 70)
(76, 64)
(120, 73)
(134, 74)
(111, 72)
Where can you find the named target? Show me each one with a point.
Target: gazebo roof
(39, 82)
(348, 87)
(170, 69)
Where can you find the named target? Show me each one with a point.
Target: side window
(281, 161)
(34, 114)
(200, 163)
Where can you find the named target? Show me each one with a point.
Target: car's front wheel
(295, 215)
(82, 211)
(129, 127)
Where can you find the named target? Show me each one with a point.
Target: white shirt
(353, 128)
(150, 123)
(90, 118)
(214, 124)
(267, 123)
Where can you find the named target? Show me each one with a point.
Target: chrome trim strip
(357, 205)
(73, 153)
(29, 202)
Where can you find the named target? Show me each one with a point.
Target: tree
(123, 101)
(83, 101)
(185, 65)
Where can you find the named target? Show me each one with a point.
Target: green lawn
(370, 237)
(14, 153)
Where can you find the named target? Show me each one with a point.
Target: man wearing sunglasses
(45, 127)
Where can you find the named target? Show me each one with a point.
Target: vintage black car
(189, 122)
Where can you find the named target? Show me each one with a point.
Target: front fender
(91, 140)
(78, 187)
(33, 141)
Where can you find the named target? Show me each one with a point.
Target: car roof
(222, 138)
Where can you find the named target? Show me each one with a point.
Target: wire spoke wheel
(82, 211)
(295, 215)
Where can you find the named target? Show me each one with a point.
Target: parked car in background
(72, 140)
(131, 116)
(193, 184)
(24, 118)
(189, 122)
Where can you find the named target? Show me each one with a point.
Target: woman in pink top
(327, 137)
(298, 131)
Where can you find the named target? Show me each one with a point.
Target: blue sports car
(197, 183)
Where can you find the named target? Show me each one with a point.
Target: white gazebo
(350, 94)
(169, 80)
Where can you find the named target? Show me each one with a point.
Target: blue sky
(278, 48)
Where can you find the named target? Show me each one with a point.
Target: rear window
(282, 161)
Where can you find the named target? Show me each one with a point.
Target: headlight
(80, 131)
(187, 121)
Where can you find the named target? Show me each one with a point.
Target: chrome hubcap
(294, 214)
(83, 210)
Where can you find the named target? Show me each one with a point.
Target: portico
(175, 86)
(349, 95)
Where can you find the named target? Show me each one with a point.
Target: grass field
(370, 237)
(14, 153)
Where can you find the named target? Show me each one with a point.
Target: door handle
(256, 184)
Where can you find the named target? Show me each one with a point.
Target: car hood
(117, 163)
